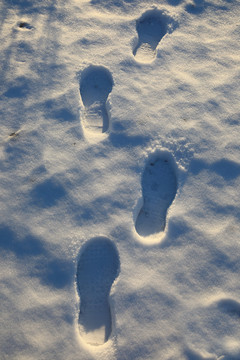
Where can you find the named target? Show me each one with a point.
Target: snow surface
(169, 72)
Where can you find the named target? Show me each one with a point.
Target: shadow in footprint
(159, 187)
(95, 86)
(98, 267)
(151, 28)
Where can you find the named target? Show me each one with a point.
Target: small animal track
(151, 28)
(98, 267)
(159, 187)
(95, 86)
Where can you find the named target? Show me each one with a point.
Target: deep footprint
(98, 267)
(95, 86)
(159, 187)
(151, 28)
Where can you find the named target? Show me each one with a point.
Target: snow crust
(176, 297)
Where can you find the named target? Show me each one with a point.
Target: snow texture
(92, 92)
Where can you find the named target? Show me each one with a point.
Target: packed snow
(119, 180)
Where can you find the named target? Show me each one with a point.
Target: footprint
(151, 28)
(98, 267)
(95, 85)
(159, 187)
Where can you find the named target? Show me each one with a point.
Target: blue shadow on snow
(47, 194)
(32, 253)
(55, 109)
(199, 6)
(120, 139)
(227, 169)
(32, 6)
(19, 89)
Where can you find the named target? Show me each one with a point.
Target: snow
(67, 183)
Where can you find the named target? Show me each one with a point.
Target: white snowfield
(120, 180)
